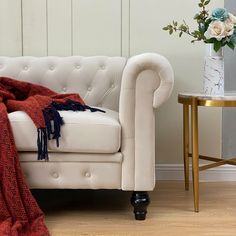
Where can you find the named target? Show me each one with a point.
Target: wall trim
(176, 172)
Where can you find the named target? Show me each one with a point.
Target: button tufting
(64, 89)
(113, 86)
(103, 67)
(25, 67)
(87, 174)
(89, 88)
(55, 175)
(52, 68)
(77, 66)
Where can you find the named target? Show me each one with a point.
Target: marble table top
(231, 96)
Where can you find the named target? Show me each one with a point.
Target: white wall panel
(59, 27)
(10, 26)
(34, 27)
(97, 27)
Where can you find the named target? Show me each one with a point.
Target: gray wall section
(229, 114)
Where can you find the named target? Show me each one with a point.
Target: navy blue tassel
(52, 117)
(92, 109)
(54, 121)
(70, 105)
(42, 144)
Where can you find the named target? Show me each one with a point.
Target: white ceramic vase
(213, 71)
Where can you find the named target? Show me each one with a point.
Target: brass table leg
(186, 144)
(195, 154)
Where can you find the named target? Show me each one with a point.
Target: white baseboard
(176, 172)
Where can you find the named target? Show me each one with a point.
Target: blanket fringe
(42, 144)
(54, 121)
(73, 106)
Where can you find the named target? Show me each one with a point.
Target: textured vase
(213, 71)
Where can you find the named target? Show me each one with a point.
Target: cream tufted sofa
(112, 150)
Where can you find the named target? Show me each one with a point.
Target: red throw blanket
(19, 212)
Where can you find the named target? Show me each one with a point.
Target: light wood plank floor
(87, 212)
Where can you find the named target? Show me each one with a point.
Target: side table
(193, 100)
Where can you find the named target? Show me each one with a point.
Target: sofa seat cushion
(83, 132)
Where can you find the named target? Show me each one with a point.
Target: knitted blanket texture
(20, 214)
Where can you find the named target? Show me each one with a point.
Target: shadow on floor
(88, 200)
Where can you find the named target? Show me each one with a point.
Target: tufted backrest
(96, 79)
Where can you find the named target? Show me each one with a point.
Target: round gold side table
(193, 100)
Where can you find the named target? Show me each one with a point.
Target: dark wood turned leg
(140, 201)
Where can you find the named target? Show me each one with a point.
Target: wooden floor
(87, 212)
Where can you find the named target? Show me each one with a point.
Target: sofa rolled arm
(147, 82)
(157, 63)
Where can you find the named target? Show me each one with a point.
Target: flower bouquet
(218, 28)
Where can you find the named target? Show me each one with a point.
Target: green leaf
(183, 27)
(200, 5)
(180, 34)
(231, 45)
(211, 40)
(233, 38)
(165, 28)
(175, 23)
(217, 45)
(202, 28)
(207, 2)
(196, 17)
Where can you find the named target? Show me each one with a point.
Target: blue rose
(220, 14)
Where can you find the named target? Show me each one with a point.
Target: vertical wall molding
(22, 28)
(125, 28)
(47, 24)
(71, 28)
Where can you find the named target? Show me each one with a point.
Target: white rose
(229, 27)
(216, 29)
(232, 18)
